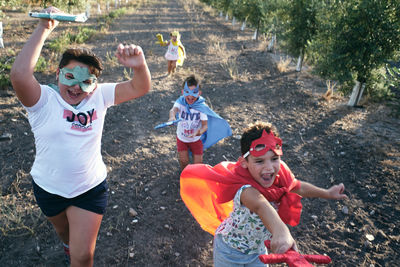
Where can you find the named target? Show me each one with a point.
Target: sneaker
(66, 254)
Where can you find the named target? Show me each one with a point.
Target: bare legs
(60, 223)
(78, 228)
(171, 66)
(184, 159)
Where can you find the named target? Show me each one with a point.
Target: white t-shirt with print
(189, 124)
(244, 230)
(68, 158)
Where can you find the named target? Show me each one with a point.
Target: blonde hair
(175, 33)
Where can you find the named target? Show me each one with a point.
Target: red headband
(264, 143)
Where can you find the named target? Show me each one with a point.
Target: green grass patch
(41, 65)
(106, 20)
(6, 63)
(62, 42)
(84, 34)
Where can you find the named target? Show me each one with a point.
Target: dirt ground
(325, 142)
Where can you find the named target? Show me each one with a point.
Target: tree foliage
(360, 36)
(344, 40)
(299, 25)
(67, 5)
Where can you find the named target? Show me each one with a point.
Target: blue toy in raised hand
(165, 124)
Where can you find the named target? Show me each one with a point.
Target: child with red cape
(244, 203)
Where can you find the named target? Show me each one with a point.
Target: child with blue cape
(200, 127)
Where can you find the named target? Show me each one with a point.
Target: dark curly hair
(82, 55)
(253, 132)
(191, 80)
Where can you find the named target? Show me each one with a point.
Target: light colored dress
(172, 52)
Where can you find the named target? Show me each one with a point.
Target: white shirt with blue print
(189, 124)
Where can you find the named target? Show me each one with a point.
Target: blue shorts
(226, 256)
(94, 200)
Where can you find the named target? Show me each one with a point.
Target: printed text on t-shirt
(81, 121)
(190, 116)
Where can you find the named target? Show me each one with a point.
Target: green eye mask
(78, 75)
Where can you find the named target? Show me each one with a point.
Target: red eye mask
(266, 142)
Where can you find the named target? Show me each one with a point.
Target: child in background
(200, 127)
(176, 53)
(69, 175)
(263, 191)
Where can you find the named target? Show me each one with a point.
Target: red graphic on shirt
(188, 132)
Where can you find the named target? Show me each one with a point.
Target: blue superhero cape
(218, 128)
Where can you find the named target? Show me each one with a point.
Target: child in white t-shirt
(67, 121)
(192, 125)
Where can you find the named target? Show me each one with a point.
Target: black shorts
(94, 200)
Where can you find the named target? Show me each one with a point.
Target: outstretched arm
(24, 83)
(281, 240)
(172, 113)
(132, 56)
(312, 191)
(160, 40)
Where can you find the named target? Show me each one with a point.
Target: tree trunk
(243, 26)
(226, 17)
(254, 35)
(300, 61)
(1, 35)
(270, 47)
(356, 95)
(233, 21)
(87, 12)
(70, 4)
(258, 28)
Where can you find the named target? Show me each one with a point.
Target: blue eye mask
(78, 75)
(188, 92)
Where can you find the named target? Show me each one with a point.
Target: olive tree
(355, 39)
(299, 19)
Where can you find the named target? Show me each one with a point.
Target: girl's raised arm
(24, 83)
(132, 56)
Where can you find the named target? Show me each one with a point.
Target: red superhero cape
(208, 192)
